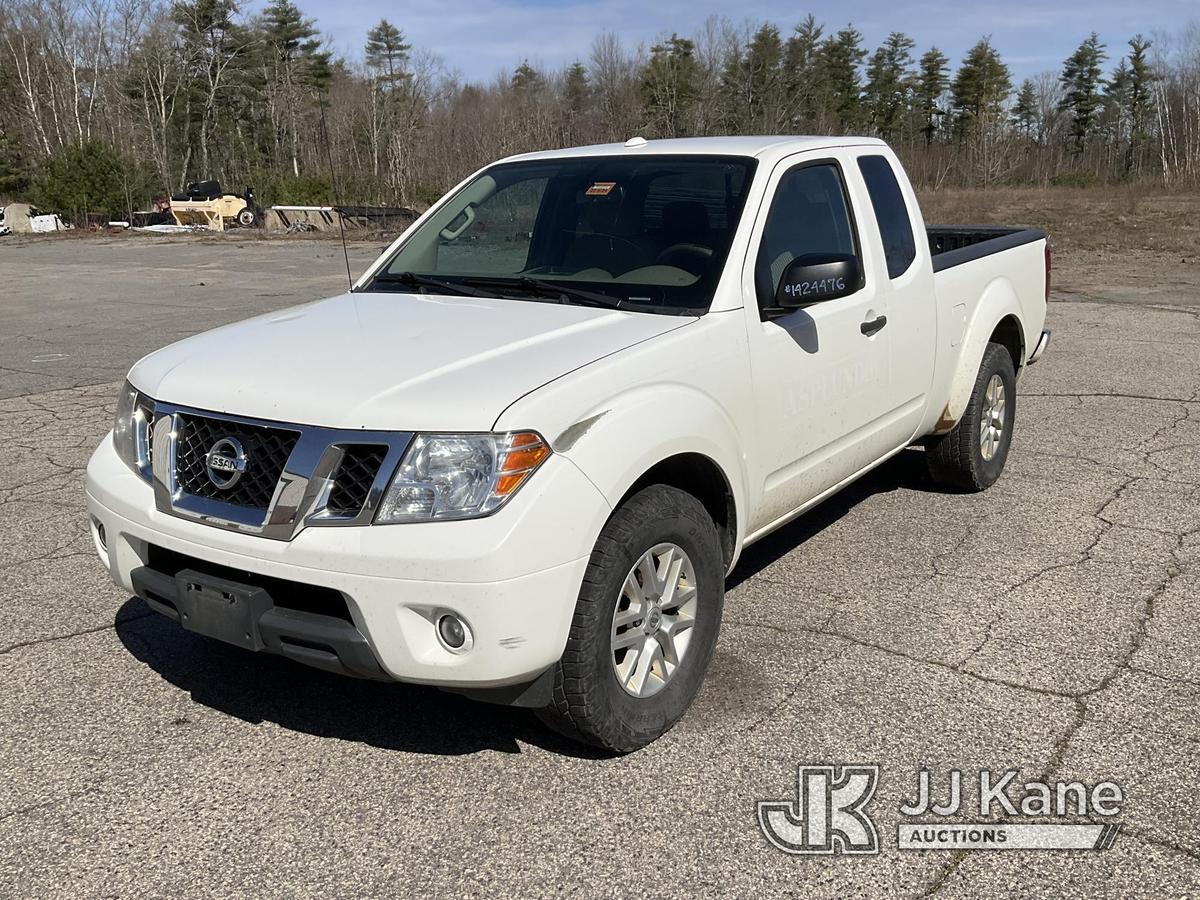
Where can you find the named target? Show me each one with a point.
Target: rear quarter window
(891, 212)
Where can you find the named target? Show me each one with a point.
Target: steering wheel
(693, 258)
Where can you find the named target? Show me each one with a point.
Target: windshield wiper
(543, 288)
(414, 280)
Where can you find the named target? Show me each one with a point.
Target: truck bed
(953, 245)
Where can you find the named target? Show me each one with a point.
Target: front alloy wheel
(653, 619)
(645, 623)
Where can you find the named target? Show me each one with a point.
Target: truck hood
(389, 361)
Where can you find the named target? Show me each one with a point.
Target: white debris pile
(174, 229)
(21, 218)
(46, 224)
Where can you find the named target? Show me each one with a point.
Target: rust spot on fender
(944, 422)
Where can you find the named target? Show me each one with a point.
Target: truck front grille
(353, 477)
(290, 476)
(267, 452)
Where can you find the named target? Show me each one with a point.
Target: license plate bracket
(221, 609)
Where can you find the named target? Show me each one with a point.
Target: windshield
(649, 233)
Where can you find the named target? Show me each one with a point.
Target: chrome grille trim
(302, 494)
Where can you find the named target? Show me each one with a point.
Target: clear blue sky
(479, 38)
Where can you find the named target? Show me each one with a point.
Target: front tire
(972, 455)
(645, 624)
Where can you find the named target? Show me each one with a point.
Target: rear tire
(972, 455)
(601, 695)
(247, 218)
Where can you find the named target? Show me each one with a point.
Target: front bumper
(512, 577)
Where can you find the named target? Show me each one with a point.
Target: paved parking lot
(1049, 625)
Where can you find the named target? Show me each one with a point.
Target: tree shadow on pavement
(257, 687)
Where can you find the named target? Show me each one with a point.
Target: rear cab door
(905, 280)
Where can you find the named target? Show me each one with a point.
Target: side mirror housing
(814, 278)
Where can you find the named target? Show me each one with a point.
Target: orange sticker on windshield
(600, 189)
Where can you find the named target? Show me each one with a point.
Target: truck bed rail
(953, 245)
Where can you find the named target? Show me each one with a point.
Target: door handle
(874, 325)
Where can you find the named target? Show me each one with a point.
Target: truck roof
(757, 146)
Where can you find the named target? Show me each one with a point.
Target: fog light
(454, 633)
(100, 535)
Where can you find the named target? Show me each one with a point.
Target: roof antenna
(333, 189)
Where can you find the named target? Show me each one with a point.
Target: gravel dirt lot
(1049, 624)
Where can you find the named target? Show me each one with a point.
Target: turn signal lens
(525, 452)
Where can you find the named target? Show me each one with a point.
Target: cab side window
(895, 227)
(808, 216)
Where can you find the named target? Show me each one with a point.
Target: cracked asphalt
(1048, 625)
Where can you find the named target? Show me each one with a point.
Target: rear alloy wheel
(972, 455)
(991, 428)
(645, 624)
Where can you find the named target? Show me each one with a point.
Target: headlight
(460, 476)
(131, 428)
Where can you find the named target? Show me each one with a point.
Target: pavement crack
(937, 664)
(800, 680)
(47, 804)
(1107, 394)
(83, 632)
(1141, 834)
(939, 880)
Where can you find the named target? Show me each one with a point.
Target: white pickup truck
(518, 459)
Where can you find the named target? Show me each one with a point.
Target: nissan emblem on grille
(225, 461)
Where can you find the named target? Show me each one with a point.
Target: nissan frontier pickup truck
(517, 460)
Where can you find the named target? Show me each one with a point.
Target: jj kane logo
(829, 814)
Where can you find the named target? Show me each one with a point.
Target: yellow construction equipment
(204, 203)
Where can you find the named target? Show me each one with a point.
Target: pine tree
(752, 86)
(1141, 80)
(1082, 81)
(526, 80)
(802, 74)
(576, 88)
(14, 173)
(932, 82)
(980, 87)
(211, 41)
(386, 54)
(839, 60)
(889, 84)
(296, 45)
(1025, 110)
(297, 64)
(1114, 115)
(668, 87)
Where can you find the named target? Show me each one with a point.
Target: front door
(821, 380)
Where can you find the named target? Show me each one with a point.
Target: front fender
(651, 423)
(681, 392)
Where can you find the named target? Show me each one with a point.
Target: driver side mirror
(816, 277)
